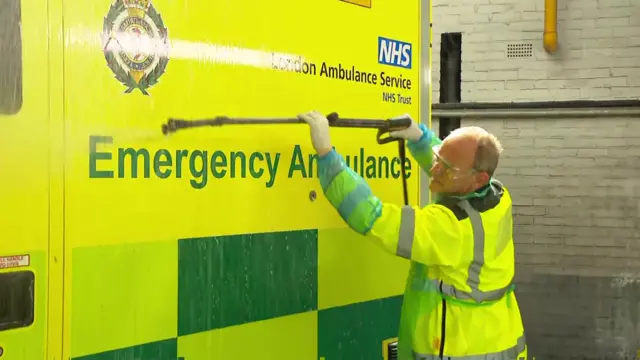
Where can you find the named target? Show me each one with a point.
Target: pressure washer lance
(383, 126)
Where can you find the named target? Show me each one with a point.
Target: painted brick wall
(598, 57)
(575, 182)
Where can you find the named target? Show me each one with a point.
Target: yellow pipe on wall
(550, 36)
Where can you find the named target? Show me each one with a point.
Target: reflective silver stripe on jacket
(405, 243)
(508, 354)
(407, 232)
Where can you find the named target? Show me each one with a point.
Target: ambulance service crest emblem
(135, 44)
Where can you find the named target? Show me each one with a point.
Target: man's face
(452, 170)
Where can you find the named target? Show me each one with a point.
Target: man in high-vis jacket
(459, 302)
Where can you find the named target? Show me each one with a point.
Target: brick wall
(575, 182)
(598, 56)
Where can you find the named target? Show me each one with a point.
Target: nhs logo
(394, 52)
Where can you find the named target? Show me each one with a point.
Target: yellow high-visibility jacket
(459, 302)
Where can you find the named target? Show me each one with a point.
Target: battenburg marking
(135, 44)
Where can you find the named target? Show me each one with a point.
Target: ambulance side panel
(24, 184)
(217, 243)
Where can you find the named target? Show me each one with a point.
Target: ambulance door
(216, 243)
(24, 179)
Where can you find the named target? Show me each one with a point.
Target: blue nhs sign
(394, 52)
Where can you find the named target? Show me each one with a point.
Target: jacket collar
(479, 193)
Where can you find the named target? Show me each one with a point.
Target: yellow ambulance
(118, 242)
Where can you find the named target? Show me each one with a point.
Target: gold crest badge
(135, 44)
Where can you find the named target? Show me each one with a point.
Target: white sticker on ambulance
(7, 262)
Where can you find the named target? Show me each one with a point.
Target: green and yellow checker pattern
(260, 296)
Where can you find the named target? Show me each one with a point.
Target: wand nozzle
(174, 125)
(383, 126)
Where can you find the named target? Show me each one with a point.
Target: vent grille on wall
(521, 50)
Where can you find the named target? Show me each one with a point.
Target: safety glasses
(450, 171)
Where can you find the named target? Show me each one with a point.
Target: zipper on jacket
(444, 323)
